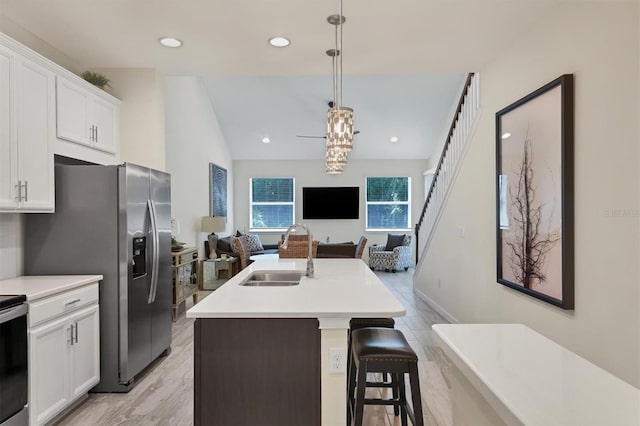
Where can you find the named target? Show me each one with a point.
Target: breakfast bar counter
(508, 374)
(262, 353)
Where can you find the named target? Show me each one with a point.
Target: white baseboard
(439, 309)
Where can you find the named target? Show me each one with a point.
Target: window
(388, 203)
(271, 203)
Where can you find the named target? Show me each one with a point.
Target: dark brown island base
(257, 371)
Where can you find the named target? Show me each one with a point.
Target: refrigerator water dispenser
(139, 257)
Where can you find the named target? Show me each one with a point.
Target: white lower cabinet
(64, 351)
(85, 354)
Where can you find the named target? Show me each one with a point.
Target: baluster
(466, 121)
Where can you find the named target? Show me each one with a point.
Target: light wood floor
(164, 396)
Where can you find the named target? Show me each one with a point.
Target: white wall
(193, 139)
(312, 173)
(34, 42)
(599, 44)
(142, 117)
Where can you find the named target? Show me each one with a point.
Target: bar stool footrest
(380, 401)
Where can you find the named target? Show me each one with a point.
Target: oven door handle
(13, 313)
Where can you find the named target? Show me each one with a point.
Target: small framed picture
(217, 190)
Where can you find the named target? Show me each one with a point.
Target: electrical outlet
(337, 360)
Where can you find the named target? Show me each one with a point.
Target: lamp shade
(213, 223)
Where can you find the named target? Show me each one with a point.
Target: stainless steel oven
(13, 361)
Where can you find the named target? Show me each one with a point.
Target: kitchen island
(262, 353)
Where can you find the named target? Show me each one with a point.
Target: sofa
(342, 250)
(224, 246)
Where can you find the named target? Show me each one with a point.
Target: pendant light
(339, 118)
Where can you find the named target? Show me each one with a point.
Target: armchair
(392, 256)
(298, 249)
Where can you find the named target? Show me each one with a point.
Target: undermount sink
(273, 279)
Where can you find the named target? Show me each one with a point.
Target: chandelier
(339, 118)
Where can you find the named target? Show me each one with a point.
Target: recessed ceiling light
(266, 140)
(393, 139)
(170, 42)
(506, 135)
(279, 41)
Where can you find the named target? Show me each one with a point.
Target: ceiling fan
(320, 137)
(325, 136)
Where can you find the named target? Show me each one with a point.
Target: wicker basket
(298, 249)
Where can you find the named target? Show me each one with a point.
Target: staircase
(462, 126)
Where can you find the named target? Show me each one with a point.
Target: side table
(185, 278)
(212, 269)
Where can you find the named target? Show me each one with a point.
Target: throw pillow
(393, 241)
(254, 242)
(224, 245)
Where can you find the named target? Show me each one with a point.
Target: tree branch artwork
(530, 245)
(534, 194)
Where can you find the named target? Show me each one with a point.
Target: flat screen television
(330, 202)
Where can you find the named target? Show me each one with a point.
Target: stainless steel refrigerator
(114, 221)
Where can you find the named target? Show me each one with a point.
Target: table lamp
(213, 224)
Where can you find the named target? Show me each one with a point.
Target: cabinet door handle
(26, 191)
(76, 331)
(72, 302)
(70, 335)
(96, 134)
(19, 185)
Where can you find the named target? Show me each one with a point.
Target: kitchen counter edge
(37, 287)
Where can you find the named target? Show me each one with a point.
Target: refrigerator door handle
(155, 252)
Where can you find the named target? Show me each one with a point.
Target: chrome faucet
(310, 270)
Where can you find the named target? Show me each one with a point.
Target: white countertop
(537, 380)
(37, 287)
(341, 288)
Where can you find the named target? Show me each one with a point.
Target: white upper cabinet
(27, 120)
(8, 155)
(85, 117)
(104, 116)
(46, 110)
(36, 120)
(73, 112)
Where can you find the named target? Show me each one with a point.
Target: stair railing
(459, 133)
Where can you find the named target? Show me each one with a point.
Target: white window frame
(264, 203)
(367, 203)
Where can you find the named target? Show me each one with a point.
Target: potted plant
(95, 78)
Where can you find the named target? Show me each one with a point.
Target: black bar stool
(387, 380)
(383, 350)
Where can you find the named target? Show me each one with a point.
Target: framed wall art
(534, 194)
(217, 190)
